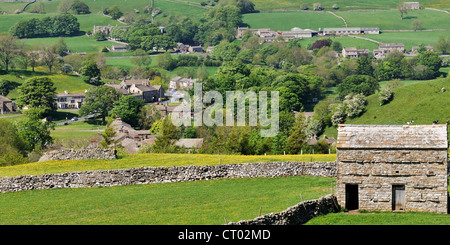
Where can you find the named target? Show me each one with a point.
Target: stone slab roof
(392, 136)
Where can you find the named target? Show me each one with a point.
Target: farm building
(393, 168)
(412, 5)
(353, 52)
(7, 105)
(351, 30)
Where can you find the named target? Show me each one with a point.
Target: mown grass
(187, 203)
(151, 160)
(381, 218)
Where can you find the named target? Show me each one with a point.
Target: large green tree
(358, 84)
(8, 50)
(99, 100)
(128, 109)
(38, 94)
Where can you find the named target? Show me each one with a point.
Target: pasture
(343, 4)
(185, 203)
(422, 102)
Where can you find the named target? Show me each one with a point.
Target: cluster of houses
(382, 51)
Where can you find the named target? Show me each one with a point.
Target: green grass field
(284, 21)
(422, 102)
(192, 203)
(343, 4)
(390, 19)
(73, 84)
(126, 6)
(381, 218)
(410, 39)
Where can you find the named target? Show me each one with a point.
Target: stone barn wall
(376, 160)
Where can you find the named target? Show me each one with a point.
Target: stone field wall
(80, 154)
(147, 175)
(298, 214)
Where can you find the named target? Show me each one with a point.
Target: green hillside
(423, 102)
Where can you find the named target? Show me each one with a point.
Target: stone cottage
(393, 168)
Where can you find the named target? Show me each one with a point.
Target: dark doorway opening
(351, 197)
(398, 197)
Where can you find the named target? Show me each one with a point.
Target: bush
(386, 95)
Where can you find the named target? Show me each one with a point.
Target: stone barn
(393, 168)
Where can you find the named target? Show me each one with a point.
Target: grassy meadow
(284, 21)
(343, 4)
(73, 84)
(186, 203)
(422, 102)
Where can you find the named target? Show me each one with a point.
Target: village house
(350, 30)
(353, 52)
(385, 48)
(393, 167)
(196, 49)
(140, 89)
(68, 100)
(7, 105)
(181, 83)
(388, 47)
(298, 33)
(106, 29)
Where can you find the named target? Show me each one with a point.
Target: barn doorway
(351, 196)
(398, 198)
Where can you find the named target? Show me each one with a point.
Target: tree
(246, 6)
(8, 50)
(66, 69)
(317, 7)
(364, 84)
(99, 100)
(65, 6)
(416, 25)
(295, 143)
(402, 9)
(90, 72)
(35, 132)
(79, 7)
(148, 116)
(109, 134)
(38, 95)
(141, 58)
(165, 141)
(115, 12)
(443, 45)
(100, 36)
(128, 108)
(12, 146)
(50, 57)
(432, 61)
(364, 66)
(166, 61)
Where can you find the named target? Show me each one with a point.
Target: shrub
(386, 95)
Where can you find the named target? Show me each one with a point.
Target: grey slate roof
(392, 136)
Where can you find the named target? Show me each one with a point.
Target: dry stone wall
(147, 175)
(298, 214)
(80, 154)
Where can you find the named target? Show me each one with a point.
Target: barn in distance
(393, 168)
